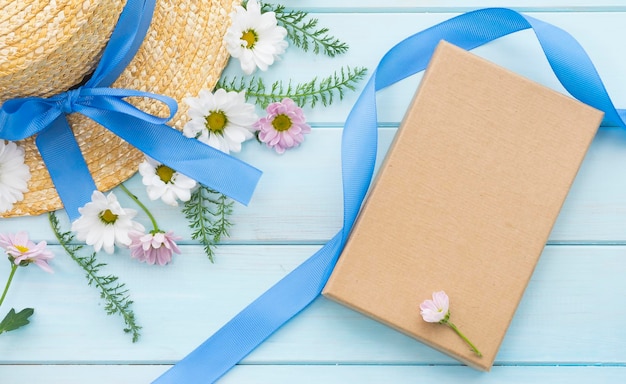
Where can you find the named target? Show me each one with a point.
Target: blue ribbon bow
(294, 292)
(24, 117)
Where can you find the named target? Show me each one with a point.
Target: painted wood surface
(569, 327)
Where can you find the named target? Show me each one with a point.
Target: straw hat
(49, 46)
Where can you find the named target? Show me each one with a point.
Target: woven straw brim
(182, 53)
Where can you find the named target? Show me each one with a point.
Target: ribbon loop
(113, 99)
(22, 118)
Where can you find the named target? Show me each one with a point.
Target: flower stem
(141, 205)
(472, 346)
(6, 288)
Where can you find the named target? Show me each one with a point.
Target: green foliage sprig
(208, 214)
(13, 321)
(304, 33)
(311, 92)
(114, 293)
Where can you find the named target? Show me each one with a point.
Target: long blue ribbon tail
(57, 145)
(293, 293)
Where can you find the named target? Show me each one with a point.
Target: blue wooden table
(568, 328)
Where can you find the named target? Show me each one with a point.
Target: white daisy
(162, 182)
(222, 119)
(104, 223)
(254, 38)
(14, 175)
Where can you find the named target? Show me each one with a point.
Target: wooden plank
(314, 374)
(299, 198)
(519, 52)
(568, 309)
(410, 374)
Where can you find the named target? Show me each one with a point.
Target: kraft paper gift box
(464, 202)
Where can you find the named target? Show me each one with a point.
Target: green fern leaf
(308, 93)
(304, 33)
(115, 295)
(208, 213)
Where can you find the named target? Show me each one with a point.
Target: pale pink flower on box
(24, 251)
(435, 310)
(153, 248)
(283, 127)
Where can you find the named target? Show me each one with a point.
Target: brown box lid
(464, 202)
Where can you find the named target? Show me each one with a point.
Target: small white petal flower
(255, 38)
(222, 119)
(435, 310)
(104, 223)
(14, 175)
(162, 182)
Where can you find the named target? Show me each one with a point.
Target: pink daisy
(153, 248)
(23, 251)
(283, 127)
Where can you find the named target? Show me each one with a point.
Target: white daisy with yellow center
(14, 175)
(104, 223)
(162, 182)
(222, 119)
(255, 38)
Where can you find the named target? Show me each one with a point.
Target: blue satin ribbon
(46, 117)
(294, 292)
